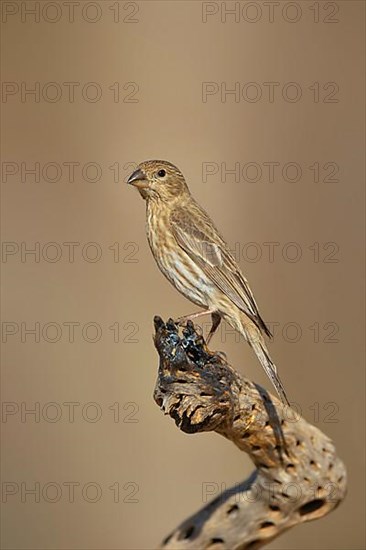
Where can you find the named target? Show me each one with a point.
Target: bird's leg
(183, 320)
(216, 320)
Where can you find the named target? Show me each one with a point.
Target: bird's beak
(138, 179)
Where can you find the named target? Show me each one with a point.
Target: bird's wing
(197, 236)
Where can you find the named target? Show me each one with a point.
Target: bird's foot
(182, 321)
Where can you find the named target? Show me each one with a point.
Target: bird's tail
(254, 337)
(270, 368)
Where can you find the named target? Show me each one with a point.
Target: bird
(193, 256)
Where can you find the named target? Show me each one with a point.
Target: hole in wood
(274, 508)
(266, 524)
(215, 540)
(311, 506)
(252, 544)
(234, 508)
(187, 533)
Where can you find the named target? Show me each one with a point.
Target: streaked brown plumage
(191, 253)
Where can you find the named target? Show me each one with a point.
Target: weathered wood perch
(298, 475)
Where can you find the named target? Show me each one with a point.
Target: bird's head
(158, 180)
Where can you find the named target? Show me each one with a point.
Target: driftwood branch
(298, 475)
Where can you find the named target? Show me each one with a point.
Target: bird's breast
(173, 261)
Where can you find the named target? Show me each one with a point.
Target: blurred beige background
(107, 469)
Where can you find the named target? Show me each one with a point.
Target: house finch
(194, 257)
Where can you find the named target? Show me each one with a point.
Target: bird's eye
(161, 173)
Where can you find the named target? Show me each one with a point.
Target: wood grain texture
(298, 475)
